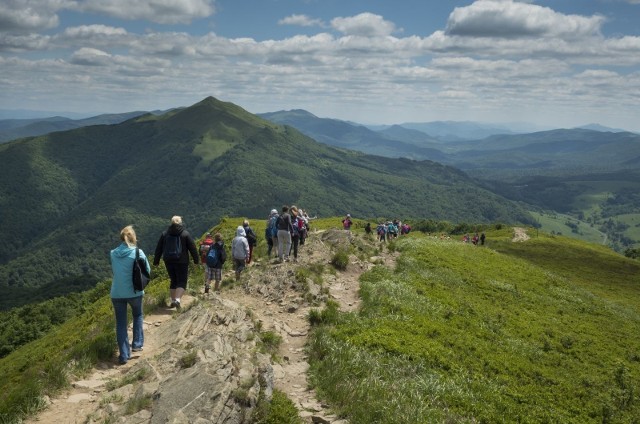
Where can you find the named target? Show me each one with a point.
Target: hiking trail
(217, 331)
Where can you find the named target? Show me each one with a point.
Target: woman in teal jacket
(122, 293)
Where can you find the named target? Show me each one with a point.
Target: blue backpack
(273, 226)
(172, 249)
(212, 257)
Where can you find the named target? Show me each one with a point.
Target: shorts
(213, 274)
(178, 274)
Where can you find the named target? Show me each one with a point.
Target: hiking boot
(177, 303)
(206, 289)
(137, 349)
(173, 304)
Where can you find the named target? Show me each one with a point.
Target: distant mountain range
(11, 129)
(591, 173)
(66, 195)
(35, 123)
(572, 150)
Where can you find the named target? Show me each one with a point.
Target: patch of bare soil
(519, 235)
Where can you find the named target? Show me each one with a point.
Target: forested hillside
(65, 196)
(589, 175)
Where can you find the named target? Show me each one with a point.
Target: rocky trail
(205, 364)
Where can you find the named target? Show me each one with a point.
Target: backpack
(213, 258)
(204, 249)
(251, 236)
(139, 276)
(172, 248)
(273, 226)
(295, 228)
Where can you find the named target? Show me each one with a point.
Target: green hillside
(538, 331)
(532, 332)
(65, 196)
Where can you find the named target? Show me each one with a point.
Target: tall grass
(458, 333)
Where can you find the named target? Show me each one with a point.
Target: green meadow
(545, 330)
(533, 332)
(557, 223)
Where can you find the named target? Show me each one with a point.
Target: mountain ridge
(73, 191)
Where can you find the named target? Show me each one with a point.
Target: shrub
(340, 260)
(328, 316)
(188, 360)
(281, 410)
(270, 341)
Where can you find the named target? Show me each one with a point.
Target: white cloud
(301, 20)
(362, 70)
(22, 43)
(90, 57)
(509, 19)
(29, 15)
(86, 31)
(364, 24)
(160, 11)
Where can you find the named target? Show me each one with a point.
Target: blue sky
(554, 63)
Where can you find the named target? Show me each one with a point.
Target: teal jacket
(122, 258)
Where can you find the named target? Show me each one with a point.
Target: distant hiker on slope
(284, 234)
(346, 223)
(174, 247)
(296, 224)
(271, 232)
(252, 239)
(123, 294)
(303, 227)
(239, 251)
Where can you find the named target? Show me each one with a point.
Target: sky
(552, 63)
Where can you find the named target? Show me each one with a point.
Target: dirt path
(274, 302)
(82, 399)
(520, 234)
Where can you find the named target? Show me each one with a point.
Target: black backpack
(140, 276)
(172, 249)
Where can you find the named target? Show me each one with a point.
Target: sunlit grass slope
(458, 333)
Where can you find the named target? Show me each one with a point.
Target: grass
(542, 331)
(188, 360)
(280, 410)
(45, 366)
(130, 378)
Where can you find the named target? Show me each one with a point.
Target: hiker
(214, 263)
(174, 246)
(240, 251)
(271, 232)
(381, 230)
(475, 239)
(123, 294)
(482, 237)
(284, 234)
(367, 228)
(204, 249)
(295, 232)
(346, 223)
(302, 227)
(252, 239)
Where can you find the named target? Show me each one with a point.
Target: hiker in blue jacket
(123, 294)
(174, 247)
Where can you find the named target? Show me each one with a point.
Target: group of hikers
(388, 230)
(475, 240)
(284, 233)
